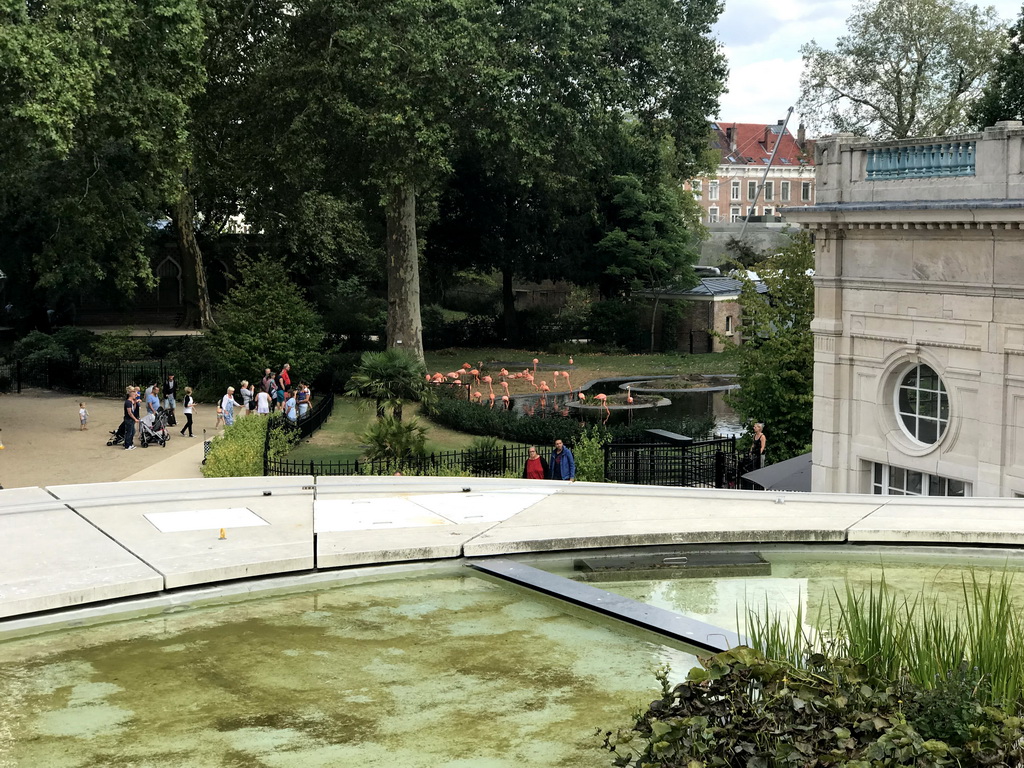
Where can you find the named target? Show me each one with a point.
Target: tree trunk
(654, 319)
(509, 304)
(198, 311)
(405, 327)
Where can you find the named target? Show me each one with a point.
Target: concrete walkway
(66, 546)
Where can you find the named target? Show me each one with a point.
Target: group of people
(561, 465)
(146, 407)
(275, 393)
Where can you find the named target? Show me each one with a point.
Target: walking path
(43, 444)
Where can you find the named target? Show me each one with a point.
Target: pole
(768, 168)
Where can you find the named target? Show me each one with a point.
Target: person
(83, 417)
(562, 466)
(284, 378)
(247, 395)
(263, 402)
(536, 468)
(290, 408)
(188, 404)
(757, 447)
(131, 417)
(152, 404)
(269, 386)
(170, 402)
(302, 397)
(227, 407)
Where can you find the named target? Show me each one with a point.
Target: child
(83, 416)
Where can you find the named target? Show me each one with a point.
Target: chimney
(801, 136)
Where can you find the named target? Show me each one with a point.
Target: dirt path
(44, 446)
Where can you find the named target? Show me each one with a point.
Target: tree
(776, 371)
(1003, 97)
(390, 377)
(905, 68)
(264, 322)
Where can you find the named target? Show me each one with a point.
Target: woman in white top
(227, 407)
(189, 405)
(247, 394)
(263, 402)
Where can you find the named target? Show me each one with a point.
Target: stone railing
(988, 165)
(918, 161)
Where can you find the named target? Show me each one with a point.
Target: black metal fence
(700, 464)
(109, 379)
(484, 463)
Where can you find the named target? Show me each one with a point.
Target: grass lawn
(338, 439)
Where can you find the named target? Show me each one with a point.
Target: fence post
(719, 469)
(266, 449)
(607, 459)
(311, 469)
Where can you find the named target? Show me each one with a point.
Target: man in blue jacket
(562, 465)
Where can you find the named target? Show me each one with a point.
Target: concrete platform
(84, 544)
(51, 558)
(188, 557)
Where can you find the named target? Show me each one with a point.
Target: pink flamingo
(603, 399)
(427, 377)
(466, 366)
(437, 378)
(570, 360)
(629, 397)
(535, 361)
(583, 398)
(487, 380)
(453, 376)
(491, 398)
(529, 378)
(503, 373)
(475, 373)
(504, 399)
(544, 387)
(504, 386)
(478, 395)
(567, 383)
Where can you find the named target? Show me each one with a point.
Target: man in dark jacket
(170, 403)
(562, 465)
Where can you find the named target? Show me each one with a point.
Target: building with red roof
(746, 149)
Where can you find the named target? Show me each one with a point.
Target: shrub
(588, 451)
(115, 346)
(617, 322)
(741, 710)
(238, 452)
(391, 439)
(484, 456)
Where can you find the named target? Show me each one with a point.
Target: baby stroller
(155, 432)
(117, 435)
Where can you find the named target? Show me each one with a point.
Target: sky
(762, 42)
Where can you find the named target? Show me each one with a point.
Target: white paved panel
(910, 519)
(204, 519)
(371, 514)
(483, 507)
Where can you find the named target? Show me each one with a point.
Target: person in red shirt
(536, 467)
(284, 379)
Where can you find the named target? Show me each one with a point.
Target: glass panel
(928, 404)
(897, 478)
(956, 488)
(878, 474)
(929, 378)
(909, 424)
(910, 379)
(943, 408)
(908, 400)
(914, 483)
(927, 431)
(936, 486)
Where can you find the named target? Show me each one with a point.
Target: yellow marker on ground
(223, 534)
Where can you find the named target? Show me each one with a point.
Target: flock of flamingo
(470, 378)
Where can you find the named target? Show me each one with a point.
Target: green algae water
(426, 670)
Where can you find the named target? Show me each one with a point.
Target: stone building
(919, 316)
(745, 150)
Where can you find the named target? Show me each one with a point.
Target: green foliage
(389, 378)
(1003, 97)
(588, 452)
(484, 456)
(616, 324)
(776, 374)
(115, 346)
(741, 710)
(38, 350)
(390, 439)
(238, 452)
(905, 68)
(264, 322)
(915, 638)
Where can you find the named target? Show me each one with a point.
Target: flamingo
(503, 373)
(453, 376)
(487, 380)
(504, 386)
(478, 395)
(529, 378)
(491, 398)
(427, 377)
(629, 397)
(583, 398)
(437, 378)
(475, 373)
(535, 361)
(603, 399)
(544, 387)
(570, 359)
(567, 383)
(466, 366)
(504, 399)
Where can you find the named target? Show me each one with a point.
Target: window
(751, 210)
(784, 191)
(769, 190)
(728, 325)
(735, 192)
(712, 215)
(768, 211)
(696, 186)
(896, 481)
(713, 190)
(751, 190)
(734, 213)
(805, 191)
(922, 405)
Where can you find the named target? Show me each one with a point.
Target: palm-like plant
(390, 378)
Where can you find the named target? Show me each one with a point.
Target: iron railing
(700, 464)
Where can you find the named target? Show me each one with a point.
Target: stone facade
(919, 267)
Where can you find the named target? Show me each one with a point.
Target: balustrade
(953, 158)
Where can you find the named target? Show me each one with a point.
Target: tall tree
(905, 68)
(776, 374)
(1003, 98)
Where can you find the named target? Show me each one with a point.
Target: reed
(909, 637)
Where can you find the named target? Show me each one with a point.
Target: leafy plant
(484, 456)
(389, 438)
(389, 378)
(115, 346)
(588, 451)
(238, 452)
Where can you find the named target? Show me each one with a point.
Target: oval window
(922, 404)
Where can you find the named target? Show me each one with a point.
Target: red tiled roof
(754, 142)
